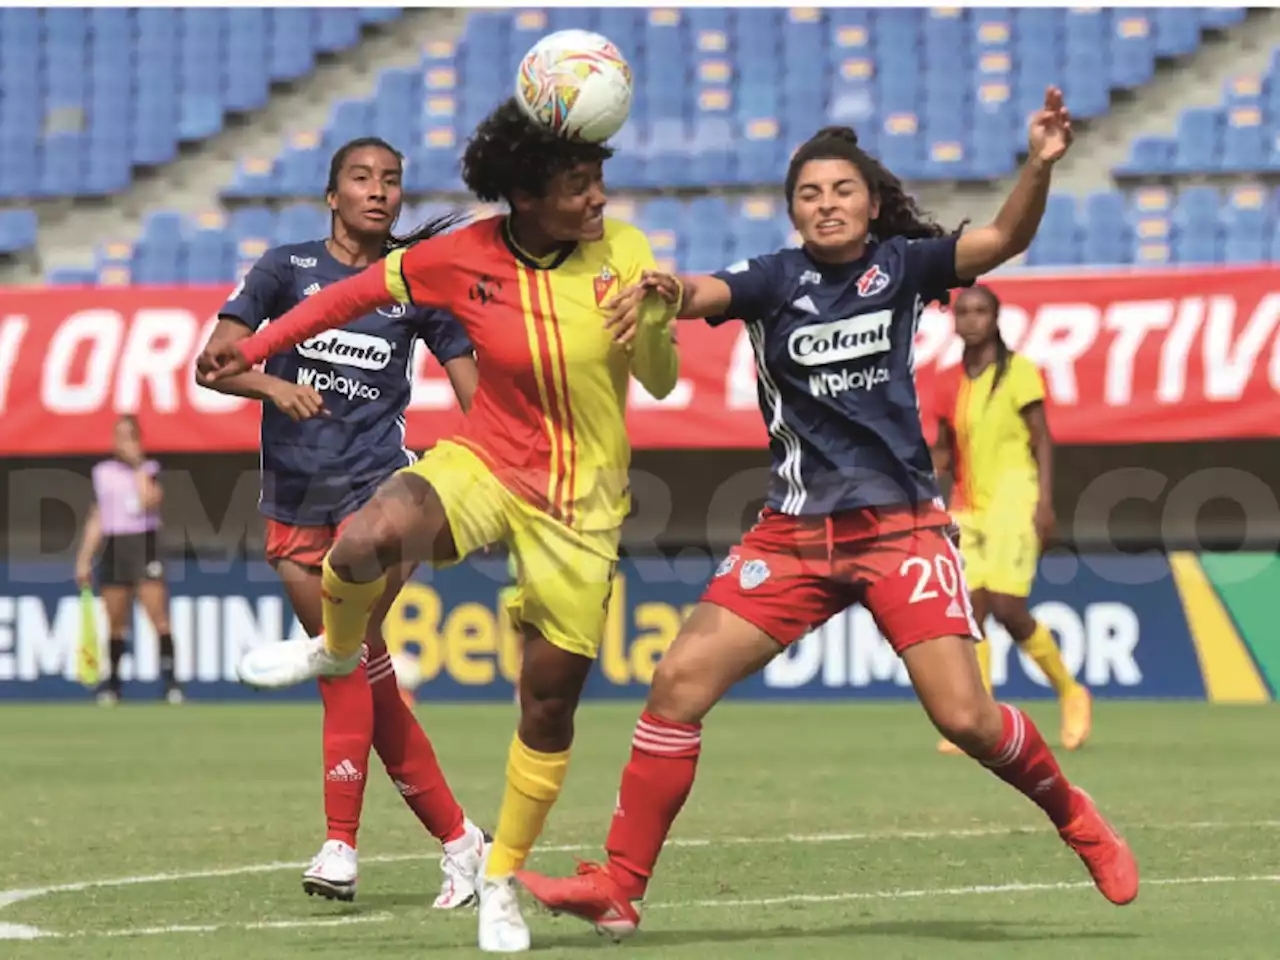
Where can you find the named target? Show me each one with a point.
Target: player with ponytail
(332, 432)
(853, 513)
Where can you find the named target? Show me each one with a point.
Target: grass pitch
(814, 831)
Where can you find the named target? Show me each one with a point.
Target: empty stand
(87, 95)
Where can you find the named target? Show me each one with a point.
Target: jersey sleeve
(931, 266)
(753, 289)
(421, 274)
(1026, 384)
(443, 335)
(654, 359)
(257, 297)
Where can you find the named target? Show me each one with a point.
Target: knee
(972, 723)
(365, 548)
(678, 692)
(546, 719)
(1012, 614)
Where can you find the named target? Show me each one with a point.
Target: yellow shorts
(1000, 550)
(564, 577)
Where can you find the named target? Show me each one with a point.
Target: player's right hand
(84, 574)
(296, 401)
(218, 361)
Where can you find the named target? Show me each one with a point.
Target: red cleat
(1110, 861)
(592, 895)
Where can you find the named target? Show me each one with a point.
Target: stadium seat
(1197, 142)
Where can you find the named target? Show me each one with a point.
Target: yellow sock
(533, 784)
(983, 649)
(346, 610)
(1041, 648)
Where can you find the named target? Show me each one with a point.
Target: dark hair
(130, 419)
(427, 230)
(509, 153)
(899, 216)
(1003, 353)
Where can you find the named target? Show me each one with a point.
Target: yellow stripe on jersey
(395, 276)
(539, 375)
(559, 375)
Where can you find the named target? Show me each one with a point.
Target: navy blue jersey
(320, 470)
(835, 360)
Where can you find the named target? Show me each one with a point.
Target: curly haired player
(541, 464)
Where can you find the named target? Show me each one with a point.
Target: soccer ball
(576, 83)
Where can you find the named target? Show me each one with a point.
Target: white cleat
(463, 868)
(290, 662)
(332, 873)
(502, 928)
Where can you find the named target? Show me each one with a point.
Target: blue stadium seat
(17, 230)
(336, 28)
(209, 257)
(299, 222)
(72, 277)
(1132, 48)
(1220, 18)
(1244, 140)
(1197, 146)
(1177, 30)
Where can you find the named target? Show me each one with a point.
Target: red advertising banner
(1127, 357)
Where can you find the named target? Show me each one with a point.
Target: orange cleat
(592, 895)
(949, 749)
(1110, 861)
(1077, 718)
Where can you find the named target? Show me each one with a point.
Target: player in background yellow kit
(994, 439)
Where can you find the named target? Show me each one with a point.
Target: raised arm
(1011, 232)
(335, 306)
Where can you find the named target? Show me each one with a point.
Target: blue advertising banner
(1120, 622)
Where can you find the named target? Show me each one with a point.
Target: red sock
(348, 734)
(409, 757)
(655, 785)
(1023, 760)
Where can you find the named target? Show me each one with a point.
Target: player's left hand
(624, 313)
(1045, 522)
(221, 361)
(1050, 134)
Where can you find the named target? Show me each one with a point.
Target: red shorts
(792, 574)
(305, 546)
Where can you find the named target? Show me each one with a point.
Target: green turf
(88, 794)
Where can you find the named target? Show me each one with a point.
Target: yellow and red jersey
(991, 457)
(549, 415)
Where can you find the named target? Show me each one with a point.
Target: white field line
(938, 892)
(10, 931)
(207, 927)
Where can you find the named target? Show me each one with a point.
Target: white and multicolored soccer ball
(576, 83)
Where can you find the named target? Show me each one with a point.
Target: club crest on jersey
(752, 574)
(727, 565)
(872, 282)
(485, 289)
(603, 283)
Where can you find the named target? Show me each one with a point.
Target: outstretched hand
(1049, 132)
